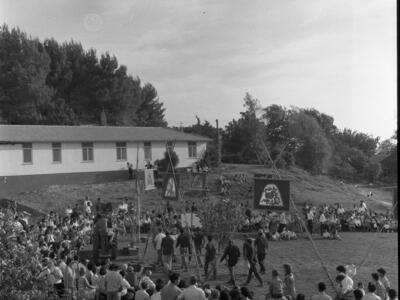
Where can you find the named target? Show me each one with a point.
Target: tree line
(281, 137)
(45, 82)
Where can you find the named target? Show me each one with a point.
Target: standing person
(370, 294)
(171, 290)
(342, 289)
(383, 278)
(183, 243)
(210, 258)
(288, 280)
(322, 223)
(282, 222)
(167, 250)
(157, 245)
(232, 253)
(310, 218)
(276, 286)
(322, 295)
(347, 282)
(198, 240)
(100, 236)
(250, 257)
(261, 244)
(130, 170)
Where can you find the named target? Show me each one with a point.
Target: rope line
(181, 193)
(374, 240)
(302, 223)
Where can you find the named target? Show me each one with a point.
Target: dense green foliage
(308, 139)
(51, 83)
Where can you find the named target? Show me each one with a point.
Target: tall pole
(138, 189)
(218, 145)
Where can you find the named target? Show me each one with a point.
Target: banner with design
(149, 179)
(272, 194)
(171, 186)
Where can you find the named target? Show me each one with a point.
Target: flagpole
(137, 189)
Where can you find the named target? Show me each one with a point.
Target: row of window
(88, 156)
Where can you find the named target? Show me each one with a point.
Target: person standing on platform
(100, 238)
(232, 253)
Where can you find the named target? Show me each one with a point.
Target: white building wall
(105, 158)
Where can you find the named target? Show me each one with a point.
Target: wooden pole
(218, 145)
(138, 189)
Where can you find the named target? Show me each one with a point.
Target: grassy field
(307, 268)
(304, 188)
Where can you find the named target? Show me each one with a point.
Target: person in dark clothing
(198, 240)
(130, 170)
(167, 250)
(232, 253)
(210, 258)
(100, 238)
(261, 245)
(251, 258)
(183, 243)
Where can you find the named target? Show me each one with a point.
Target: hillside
(304, 188)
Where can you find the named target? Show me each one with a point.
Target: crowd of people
(56, 240)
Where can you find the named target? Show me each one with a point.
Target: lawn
(306, 266)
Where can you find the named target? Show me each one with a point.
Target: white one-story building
(36, 155)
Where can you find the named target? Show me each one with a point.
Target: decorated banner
(171, 186)
(271, 194)
(198, 180)
(149, 179)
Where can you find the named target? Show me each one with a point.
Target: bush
(164, 165)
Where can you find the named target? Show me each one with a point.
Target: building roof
(46, 133)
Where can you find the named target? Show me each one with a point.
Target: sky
(337, 56)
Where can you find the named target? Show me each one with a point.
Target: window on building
(27, 153)
(87, 151)
(121, 150)
(147, 151)
(192, 146)
(56, 152)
